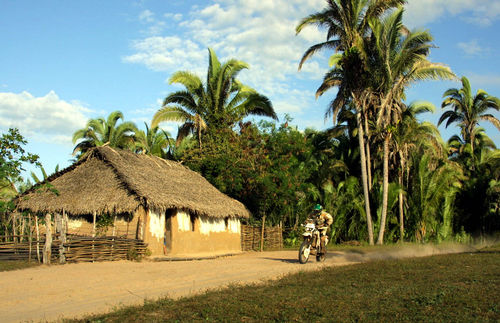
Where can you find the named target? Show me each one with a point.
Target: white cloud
(175, 17)
(483, 80)
(261, 33)
(46, 118)
(479, 12)
(167, 53)
(146, 16)
(155, 26)
(472, 48)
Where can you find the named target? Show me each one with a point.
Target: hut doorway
(167, 238)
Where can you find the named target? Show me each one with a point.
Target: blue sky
(64, 62)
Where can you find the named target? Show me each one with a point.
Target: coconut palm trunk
(400, 200)
(364, 177)
(385, 188)
(368, 155)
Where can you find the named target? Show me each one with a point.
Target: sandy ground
(73, 290)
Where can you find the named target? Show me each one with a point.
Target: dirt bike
(312, 243)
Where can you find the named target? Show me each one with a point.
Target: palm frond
(171, 113)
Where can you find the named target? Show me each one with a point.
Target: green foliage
(12, 155)
(155, 142)
(432, 190)
(348, 212)
(215, 106)
(293, 238)
(36, 179)
(12, 158)
(133, 255)
(479, 199)
(99, 132)
(468, 109)
(263, 165)
(103, 222)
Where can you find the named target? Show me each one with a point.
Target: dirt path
(50, 293)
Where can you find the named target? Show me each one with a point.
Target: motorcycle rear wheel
(321, 257)
(303, 257)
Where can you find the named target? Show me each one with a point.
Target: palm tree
(409, 136)
(153, 142)
(434, 185)
(399, 58)
(37, 179)
(219, 103)
(468, 110)
(347, 24)
(99, 132)
(460, 150)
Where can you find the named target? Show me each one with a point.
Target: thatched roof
(108, 180)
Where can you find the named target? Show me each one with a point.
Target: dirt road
(50, 293)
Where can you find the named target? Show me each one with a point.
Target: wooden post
(58, 224)
(30, 236)
(138, 231)
(47, 249)
(113, 239)
(281, 235)
(93, 225)
(23, 226)
(57, 230)
(14, 224)
(65, 218)
(94, 233)
(37, 239)
(145, 223)
(262, 233)
(114, 226)
(66, 228)
(61, 227)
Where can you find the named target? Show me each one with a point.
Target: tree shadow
(285, 260)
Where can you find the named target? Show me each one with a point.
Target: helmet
(317, 207)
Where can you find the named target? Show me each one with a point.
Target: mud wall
(125, 226)
(155, 231)
(203, 235)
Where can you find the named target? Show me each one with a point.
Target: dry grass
(17, 264)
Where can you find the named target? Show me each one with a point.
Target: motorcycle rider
(324, 220)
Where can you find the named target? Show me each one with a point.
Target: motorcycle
(312, 243)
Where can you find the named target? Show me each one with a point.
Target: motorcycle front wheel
(305, 249)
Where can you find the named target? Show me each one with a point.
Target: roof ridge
(121, 177)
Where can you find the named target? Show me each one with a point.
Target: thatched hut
(173, 209)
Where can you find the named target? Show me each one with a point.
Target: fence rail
(251, 238)
(88, 249)
(76, 249)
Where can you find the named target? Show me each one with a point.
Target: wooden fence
(21, 247)
(75, 249)
(251, 238)
(88, 249)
